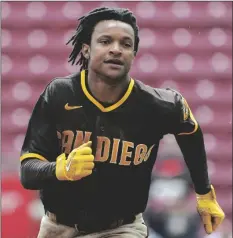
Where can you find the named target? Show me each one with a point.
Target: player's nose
(115, 49)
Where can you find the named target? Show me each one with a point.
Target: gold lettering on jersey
(67, 140)
(141, 150)
(102, 149)
(107, 150)
(81, 138)
(147, 154)
(115, 148)
(125, 153)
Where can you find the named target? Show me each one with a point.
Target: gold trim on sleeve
(32, 155)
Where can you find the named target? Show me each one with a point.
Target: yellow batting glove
(209, 210)
(79, 164)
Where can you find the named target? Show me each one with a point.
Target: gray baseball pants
(51, 229)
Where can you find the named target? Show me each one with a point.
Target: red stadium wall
(184, 45)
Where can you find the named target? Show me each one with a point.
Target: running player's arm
(189, 137)
(190, 140)
(39, 150)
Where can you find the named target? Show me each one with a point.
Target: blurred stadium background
(184, 45)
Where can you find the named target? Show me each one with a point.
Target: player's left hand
(209, 210)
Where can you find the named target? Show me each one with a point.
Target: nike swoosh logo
(70, 162)
(68, 165)
(68, 108)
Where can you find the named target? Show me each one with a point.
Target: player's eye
(105, 42)
(127, 45)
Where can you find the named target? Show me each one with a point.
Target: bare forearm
(34, 173)
(193, 150)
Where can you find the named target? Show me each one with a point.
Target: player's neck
(105, 92)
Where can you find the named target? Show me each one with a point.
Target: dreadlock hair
(86, 26)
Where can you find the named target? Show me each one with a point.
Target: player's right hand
(79, 164)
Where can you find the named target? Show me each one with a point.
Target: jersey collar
(98, 104)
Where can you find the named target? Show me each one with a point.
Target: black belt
(91, 228)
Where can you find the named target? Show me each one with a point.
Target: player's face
(112, 49)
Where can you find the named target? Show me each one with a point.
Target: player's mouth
(114, 63)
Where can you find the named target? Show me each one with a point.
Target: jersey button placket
(102, 128)
(101, 124)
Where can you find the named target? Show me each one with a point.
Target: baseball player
(93, 138)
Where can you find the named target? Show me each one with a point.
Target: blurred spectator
(171, 208)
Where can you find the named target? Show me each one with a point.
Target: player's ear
(86, 51)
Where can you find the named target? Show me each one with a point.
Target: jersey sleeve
(41, 140)
(184, 122)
